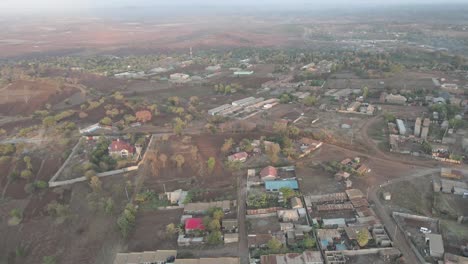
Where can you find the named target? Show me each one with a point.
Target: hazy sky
(55, 5)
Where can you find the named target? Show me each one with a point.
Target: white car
(424, 230)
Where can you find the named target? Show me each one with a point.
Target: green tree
(126, 221)
(214, 238)
(227, 146)
(48, 121)
(106, 121)
(109, 206)
(363, 237)
(274, 245)
(308, 242)
(310, 100)
(287, 192)
(365, 92)
(211, 164)
(26, 174)
(48, 260)
(171, 230)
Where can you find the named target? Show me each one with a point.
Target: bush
(41, 184)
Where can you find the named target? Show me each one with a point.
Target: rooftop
(194, 224)
(276, 185)
(144, 257)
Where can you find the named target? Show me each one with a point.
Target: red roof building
(193, 224)
(121, 148)
(269, 173)
(240, 156)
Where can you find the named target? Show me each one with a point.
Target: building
(334, 223)
(269, 173)
(288, 215)
(354, 194)
(179, 77)
(436, 245)
(296, 203)
(219, 109)
(328, 236)
(243, 73)
(231, 238)
(424, 132)
(153, 257)
(243, 102)
(194, 224)
(90, 129)
(213, 68)
(417, 127)
(353, 106)
(401, 126)
(307, 257)
(224, 260)
(451, 174)
(352, 232)
(177, 196)
(240, 156)
(274, 186)
(395, 99)
(387, 196)
(120, 148)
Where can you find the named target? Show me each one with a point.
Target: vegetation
(363, 237)
(262, 200)
(211, 163)
(126, 221)
(100, 156)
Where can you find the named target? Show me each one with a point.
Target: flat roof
(276, 185)
(143, 257)
(436, 244)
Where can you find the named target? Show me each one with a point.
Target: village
(235, 157)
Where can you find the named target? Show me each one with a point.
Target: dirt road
(241, 212)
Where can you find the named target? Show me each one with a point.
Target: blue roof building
(276, 185)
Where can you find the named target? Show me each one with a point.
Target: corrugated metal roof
(276, 185)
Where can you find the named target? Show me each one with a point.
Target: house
(327, 236)
(154, 257)
(194, 224)
(353, 231)
(334, 223)
(451, 174)
(120, 148)
(179, 77)
(395, 99)
(269, 173)
(436, 245)
(296, 203)
(143, 116)
(342, 175)
(223, 260)
(240, 156)
(417, 127)
(387, 196)
(183, 241)
(363, 169)
(274, 186)
(177, 196)
(231, 238)
(307, 257)
(401, 126)
(243, 73)
(288, 215)
(230, 225)
(354, 193)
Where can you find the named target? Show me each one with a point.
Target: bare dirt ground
(24, 97)
(58, 35)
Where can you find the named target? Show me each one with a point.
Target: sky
(57, 5)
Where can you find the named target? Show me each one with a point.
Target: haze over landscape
(233, 132)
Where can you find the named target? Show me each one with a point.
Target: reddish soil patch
(150, 231)
(24, 96)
